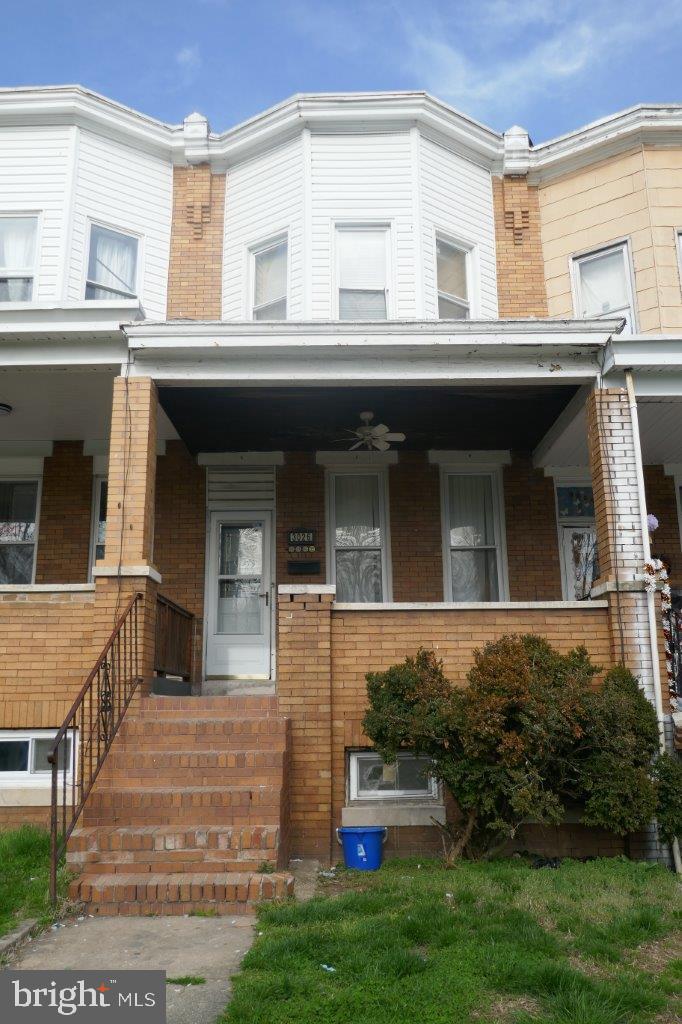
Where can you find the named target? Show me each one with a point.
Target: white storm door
(579, 556)
(239, 634)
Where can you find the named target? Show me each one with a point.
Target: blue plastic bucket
(362, 846)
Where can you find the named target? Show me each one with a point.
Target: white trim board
(443, 457)
(240, 458)
(361, 459)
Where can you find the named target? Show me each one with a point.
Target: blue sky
(550, 66)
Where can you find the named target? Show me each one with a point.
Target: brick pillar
(521, 290)
(127, 564)
(65, 515)
(196, 249)
(611, 443)
(304, 684)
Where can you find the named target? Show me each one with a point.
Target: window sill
(392, 813)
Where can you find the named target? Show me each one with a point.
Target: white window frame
(381, 472)
(470, 251)
(27, 478)
(410, 795)
(252, 252)
(115, 296)
(357, 225)
(572, 478)
(97, 481)
(30, 777)
(678, 245)
(577, 259)
(33, 271)
(497, 479)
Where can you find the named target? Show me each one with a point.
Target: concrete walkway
(209, 947)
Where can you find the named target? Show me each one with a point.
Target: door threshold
(238, 688)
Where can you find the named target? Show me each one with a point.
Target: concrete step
(210, 805)
(174, 894)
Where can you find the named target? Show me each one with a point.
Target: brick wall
(180, 533)
(531, 527)
(196, 250)
(661, 500)
(65, 515)
(300, 502)
(521, 288)
(415, 525)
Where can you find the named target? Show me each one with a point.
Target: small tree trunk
(455, 842)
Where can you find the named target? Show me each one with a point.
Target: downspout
(650, 597)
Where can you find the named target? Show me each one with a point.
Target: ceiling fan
(373, 436)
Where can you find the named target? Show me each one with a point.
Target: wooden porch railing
(83, 742)
(173, 653)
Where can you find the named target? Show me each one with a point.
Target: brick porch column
(612, 444)
(304, 685)
(127, 565)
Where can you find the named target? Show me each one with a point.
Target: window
(112, 265)
(358, 530)
(577, 539)
(453, 285)
(25, 754)
(603, 285)
(473, 536)
(362, 273)
(17, 258)
(407, 779)
(270, 281)
(18, 504)
(99, 519)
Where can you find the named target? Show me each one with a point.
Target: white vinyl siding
(264, 199)
(34, 179)
(457, 203)
(128, 191)
(360, 179)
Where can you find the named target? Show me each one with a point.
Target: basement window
(23, 755)
(407, 779)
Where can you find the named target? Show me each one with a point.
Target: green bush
(668, 776)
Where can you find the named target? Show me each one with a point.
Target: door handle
(266, 595)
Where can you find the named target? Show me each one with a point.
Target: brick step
(204, 733)
(169, 837)
(167, 862)
(212, 707)
(258, 767)
(170, 894)
(227, 805)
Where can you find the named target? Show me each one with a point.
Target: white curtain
(357, 511)
(271, 275)
(472, 522)
(452, 270)
(112, 263)
(17, 243)
(362, 274)
(603, 284)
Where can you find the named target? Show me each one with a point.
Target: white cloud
(188, 58)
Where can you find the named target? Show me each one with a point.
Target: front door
(579, 557)
(239, 606)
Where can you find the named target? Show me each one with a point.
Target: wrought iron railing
(83, 742)
(174, 639)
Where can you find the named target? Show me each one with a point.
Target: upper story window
(453, 281)
(362, 257)
(112, 264)
(18, 507)
(603, 284)
(17, 258)
(270, 281)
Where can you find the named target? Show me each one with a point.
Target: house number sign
(302, 541)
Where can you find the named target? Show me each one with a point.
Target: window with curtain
(112, 265)
(603, 285)
(453, 285)
(362, 273)
(270, 282)
(358, 534)
(17, 258)
(473, 537)
(18, 502)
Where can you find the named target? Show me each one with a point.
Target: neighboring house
(192, 326)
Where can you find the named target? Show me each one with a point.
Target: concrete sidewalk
(211, 948)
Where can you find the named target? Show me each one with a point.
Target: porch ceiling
(309, 419)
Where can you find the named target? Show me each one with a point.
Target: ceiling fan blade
(380, 429)
(394, 437)
(381, 446)
(358, 444)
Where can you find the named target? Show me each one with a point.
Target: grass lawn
(595, 943)
(24, 877)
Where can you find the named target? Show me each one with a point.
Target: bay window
(18, 235)
(270, 281)
(358, 535)
(362, 258)
(18, 506)
(452, 268)
(603, 285)
(112, 264)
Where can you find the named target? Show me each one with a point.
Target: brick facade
(415, 525)
(300, 502)
(531, 529)
(63, 553)
(196, 250)
(521, 288)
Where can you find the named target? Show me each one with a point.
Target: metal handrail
(92, 722)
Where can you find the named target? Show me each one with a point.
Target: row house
(280, 405)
